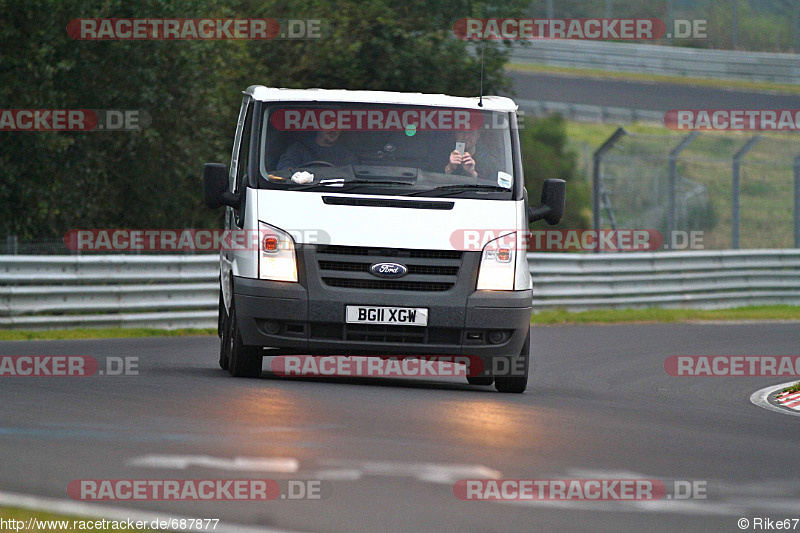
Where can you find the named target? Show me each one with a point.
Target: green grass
(766, 178)
(793, 388)
(596, 134)
(16, 513)
(97, 333)
(557, 316)
(614, 316)
(759, 86)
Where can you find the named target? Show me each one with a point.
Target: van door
(238, 262)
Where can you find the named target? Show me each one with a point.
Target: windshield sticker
(504, 180)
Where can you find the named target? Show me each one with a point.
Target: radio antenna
(480, 100)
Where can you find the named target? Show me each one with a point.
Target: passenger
(476, 160)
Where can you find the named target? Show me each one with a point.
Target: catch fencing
(741, 190)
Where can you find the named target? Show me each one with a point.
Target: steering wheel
(316, 164)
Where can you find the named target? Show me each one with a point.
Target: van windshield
(386, 149)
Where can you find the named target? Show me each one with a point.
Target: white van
(386, 225)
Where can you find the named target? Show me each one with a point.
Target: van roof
(274, 94)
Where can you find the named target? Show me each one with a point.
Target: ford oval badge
(388, 270)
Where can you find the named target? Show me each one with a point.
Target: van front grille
(349, 267)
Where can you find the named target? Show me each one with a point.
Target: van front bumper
(283, 316)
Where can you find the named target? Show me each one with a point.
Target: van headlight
(498, 263)
(276, 257)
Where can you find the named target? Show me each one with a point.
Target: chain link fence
(740, 190)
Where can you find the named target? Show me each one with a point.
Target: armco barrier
(182, 291)
(700, 279)
(589, 113)
(663, 60)
(179, 291)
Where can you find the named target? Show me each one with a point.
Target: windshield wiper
(457, 187)
(340, 183)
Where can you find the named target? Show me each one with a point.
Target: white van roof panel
(274, 94)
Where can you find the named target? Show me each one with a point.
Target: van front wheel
(223, 320)
(243, 361)
(518, 382)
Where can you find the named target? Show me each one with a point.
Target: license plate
(400, 316)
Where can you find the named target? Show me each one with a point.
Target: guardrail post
(12, 245)
(672, 224)
(736, 188)
(597, 175)
(797, 202)
(796, 46)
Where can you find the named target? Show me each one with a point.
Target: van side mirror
(215, 187)
(554, 194)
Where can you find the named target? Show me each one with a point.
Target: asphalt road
(642, 94)
(599, 404)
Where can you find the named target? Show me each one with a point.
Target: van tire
(223, 335)
(244, 361)
(480, 380)
(516, 384)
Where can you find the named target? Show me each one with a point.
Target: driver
(323, 147)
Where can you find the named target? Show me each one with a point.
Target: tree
(545, 155)
(53, 182)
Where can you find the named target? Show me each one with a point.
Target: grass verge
(614, 316)
(744, 85)
(555, 316)
(97, 333)
(57, 522)
(638, 172)
(793, 388)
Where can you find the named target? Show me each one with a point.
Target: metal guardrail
(589, 113)
(700, 279)
(108, 291)
(181, 291)
(665, 60)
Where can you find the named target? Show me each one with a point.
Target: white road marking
(703, 507)
(246, 464)
(759, 398)
(445, 474)
(337, 469)
(97, 511)
(726, 499)
(337, 474)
